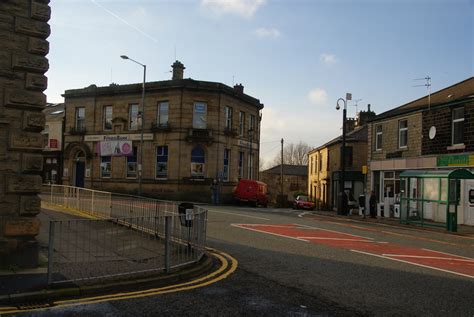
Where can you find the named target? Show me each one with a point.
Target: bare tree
(294, 154)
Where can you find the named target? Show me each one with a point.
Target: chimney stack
(178, 70)
(239, 88)
(365, 116)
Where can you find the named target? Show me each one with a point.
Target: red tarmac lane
(431, 259)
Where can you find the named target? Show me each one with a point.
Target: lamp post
(250, 154)
(142, 113)
(341, 210)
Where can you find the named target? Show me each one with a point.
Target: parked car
(302, 202)
(252, 192)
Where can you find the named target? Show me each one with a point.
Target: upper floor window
(320, 166)
(80, 118)
(402, 133)
(458, 126)
(241, 164)
(133, 117)
(228, 117)
(197, 162)
(241, 123)
(161, 162)
(200, 115)
(252, 123)
(107, 116)
(378, 137)
(162, 114)
(349, 157)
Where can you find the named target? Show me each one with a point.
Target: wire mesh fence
(131, 236)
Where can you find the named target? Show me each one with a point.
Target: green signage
(455, 160)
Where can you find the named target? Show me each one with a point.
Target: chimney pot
(239, 88)
(178, 70)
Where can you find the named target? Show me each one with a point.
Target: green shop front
(437, 197)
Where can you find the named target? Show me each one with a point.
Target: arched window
(197, 162)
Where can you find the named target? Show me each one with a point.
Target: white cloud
(245, 8)
(318, 96)
(328, 59)
(267, 32)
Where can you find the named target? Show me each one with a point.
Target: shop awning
(451, 174)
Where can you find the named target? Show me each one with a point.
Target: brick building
(432, 133)
(295, 178)
(324, 164)
(194, 131)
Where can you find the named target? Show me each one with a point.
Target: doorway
(79, 169)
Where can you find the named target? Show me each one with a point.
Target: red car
(302, 202)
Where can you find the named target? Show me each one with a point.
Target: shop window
(132, 164)
(105, 166)
(161, 162)
(458, 126)
(197, 162)
(471, 196)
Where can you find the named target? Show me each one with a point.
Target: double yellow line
(227, 267)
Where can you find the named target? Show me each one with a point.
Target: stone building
(194, 132)
(295, 178)
(433, 133)
(324, 164)
(53, 138)
(23, 46)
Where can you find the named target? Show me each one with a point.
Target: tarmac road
(316, 266)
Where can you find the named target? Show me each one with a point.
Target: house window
(226, 164)
(241, 123)
(162, 111)
(105, 166)
(161, 162)
(320, 167)
(402, 133)
(80, 119)
(133, 117)
(378, 137)
(251, 122)
(197, 162)
(200, 115)
(241, 164)
(107, 115)
(132, 164)
(228, 118)
(458, 126)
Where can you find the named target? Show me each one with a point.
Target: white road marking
(236, 214)
(426, 257)
(416, 264)
(301, 215)
(271, 233)
(338, 239)
(459, 256)
(349, 234)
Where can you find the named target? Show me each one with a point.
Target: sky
(296, 56)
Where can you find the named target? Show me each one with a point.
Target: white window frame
(400, 131)
(131, 123)
(378, 147)
(228, 117)
(455, 121)
(80, 122)
(106, 119)
(200, 115)
(160, 121)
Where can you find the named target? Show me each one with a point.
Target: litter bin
(186, 214)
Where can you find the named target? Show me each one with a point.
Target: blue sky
(298, 57)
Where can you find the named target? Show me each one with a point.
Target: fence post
(167, 243)
(50, 252)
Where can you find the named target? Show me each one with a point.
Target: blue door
(80, 171)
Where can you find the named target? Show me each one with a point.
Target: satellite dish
(432, 132)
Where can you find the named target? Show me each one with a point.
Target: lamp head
(337, 106)
(124, 56)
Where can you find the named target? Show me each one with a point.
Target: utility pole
(281, 175)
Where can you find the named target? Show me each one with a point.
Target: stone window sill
(456, 147)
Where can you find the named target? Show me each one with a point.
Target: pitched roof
(299, 170)
(458, 91)
(358, 134)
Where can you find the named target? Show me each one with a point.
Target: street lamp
(343, 153)
(142, 114)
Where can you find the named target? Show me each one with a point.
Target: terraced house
(194, 132)
(422, 154)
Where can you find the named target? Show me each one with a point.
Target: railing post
(51, 196)
(50, 252)
(167, 243)
(92, 202)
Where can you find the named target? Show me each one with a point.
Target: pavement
(17, 285)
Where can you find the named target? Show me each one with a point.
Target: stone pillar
(23, 46)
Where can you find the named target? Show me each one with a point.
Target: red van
(251, 191)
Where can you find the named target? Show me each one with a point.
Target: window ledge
(456, 147)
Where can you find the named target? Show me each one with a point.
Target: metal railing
(130, 235)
